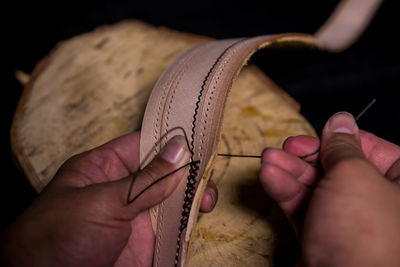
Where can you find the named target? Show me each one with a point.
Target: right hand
(352, 207)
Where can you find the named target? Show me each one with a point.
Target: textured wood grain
(91, 89)
(94, 88)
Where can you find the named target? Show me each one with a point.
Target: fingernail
(342, 122)
(212, 194)
(175, 149)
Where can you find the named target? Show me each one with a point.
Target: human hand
(348, 214)
(82, 217)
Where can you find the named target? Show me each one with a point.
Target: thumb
(340, 140)
(153, 184)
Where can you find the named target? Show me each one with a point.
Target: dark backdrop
(322, 82)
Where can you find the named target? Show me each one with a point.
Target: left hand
(82, 219)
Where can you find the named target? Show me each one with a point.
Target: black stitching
(193, 169)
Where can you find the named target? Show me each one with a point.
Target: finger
(109, 162)
(126, 148)
(283, 188)
(118, 157)
(145, 188)
(305, 147)
(210, 197)
(340, 140)
(380, 152)
(296, 167)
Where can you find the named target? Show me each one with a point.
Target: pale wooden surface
(94, 88)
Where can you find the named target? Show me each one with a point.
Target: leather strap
(347, 22)
(189, 100)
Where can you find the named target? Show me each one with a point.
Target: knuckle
(156, 169)
(338, 144)
(148, 173)
(342, 152)
(341, 142)
(349, 165)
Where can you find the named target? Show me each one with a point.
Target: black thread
(158, 142)
(128, 198)
(129, 201)
(194, 165)
(310, 154)
(193, 171)
(239, 156)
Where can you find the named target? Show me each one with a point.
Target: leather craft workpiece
(189, 100)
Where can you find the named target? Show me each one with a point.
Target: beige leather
(347, 22)
(189, 100)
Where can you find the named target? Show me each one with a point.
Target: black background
(322, 82)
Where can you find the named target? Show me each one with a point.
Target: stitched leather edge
(204, 139)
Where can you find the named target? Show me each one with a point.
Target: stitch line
(166, 124)
(215, 81)
(193, 171)
(180, 70)
(166, 89)
(158, 142)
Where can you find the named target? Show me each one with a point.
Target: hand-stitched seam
(166, 124)
(157, 126)
(181, 69)
(193, 170)
(166, 87)
(210, 97)
(166, 131)
(161, 219)
(158, 119)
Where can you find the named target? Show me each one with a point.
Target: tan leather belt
(189, 100)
